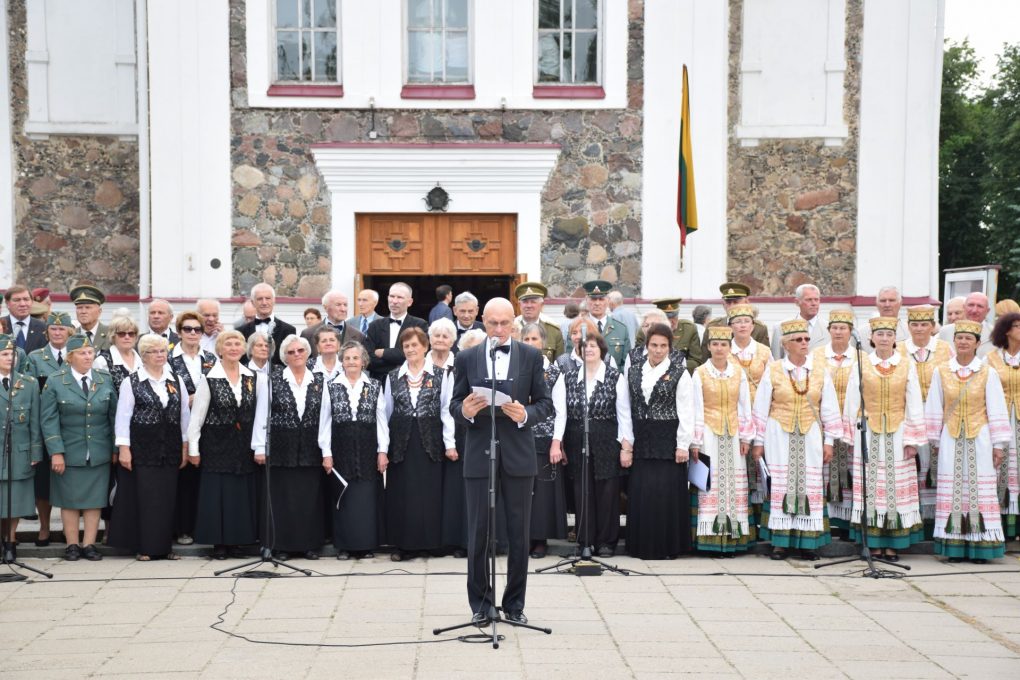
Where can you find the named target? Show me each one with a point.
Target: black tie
(85, 384)
(88, 334)
(339, 328)
(600, 328)
(505, 349)
(60, 358)
(7, 384)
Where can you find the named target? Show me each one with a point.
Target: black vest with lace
(543, 429)
(117, 371)
(602, 424)
(426, 415)
(155, 429)
(181, 369)
(355, 444)
(225, 444)
(655, 422)
(293, 441)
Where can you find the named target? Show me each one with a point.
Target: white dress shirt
(118, 360)
(126, 402)
(354, 392)
(395, 328)
(192, 363)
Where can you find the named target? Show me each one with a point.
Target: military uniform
(88, 294)
(554, 345)
(685, 335)
(22, 398)
(613, 331)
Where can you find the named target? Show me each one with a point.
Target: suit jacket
(350, 334)
(100, 337)
(819, 337)
(441, 311)
(26, 437)
(77, 425)
(474, 324)
(356, 320)
(378, 337)
(35, 334)
(516, 443)
(280, 331)
(628, 318)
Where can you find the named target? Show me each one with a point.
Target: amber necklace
(795, 384)
(884, 370)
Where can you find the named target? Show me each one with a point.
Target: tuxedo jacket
(378, 337)
(461, 332)
(516, 443)
(350, 334)
(280, 331)
(35, 334)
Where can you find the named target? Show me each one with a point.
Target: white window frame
(274, 66)
(405, 39)
(599, 36)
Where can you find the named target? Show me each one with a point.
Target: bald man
(975, 308)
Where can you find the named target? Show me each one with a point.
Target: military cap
(733, 289)
(530, 289)
(76, 342)
(86, 294)
(968, 326)
(671, 306)
(794, 326)
(59, 319)
(597, 288)
(883, 323)
(6, 342)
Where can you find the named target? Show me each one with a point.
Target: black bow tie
(261, 321)
(396, 321)
(505, 349)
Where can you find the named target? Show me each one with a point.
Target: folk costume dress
(722, 420)
(192, 370)
(795, 413)
(549, 504)
(152, 418)
(966, 418)
(658, 504)
(353, 428)
(754, 360)
(894, 414)
(1008, 486)
(837, 477)
(295, 475)
(421, 429)
(608, 404)
(925, 360)
(222, 420)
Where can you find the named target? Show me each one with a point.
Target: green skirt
(22, 497)
(720, 543)
(794, 538)
(81, 488)
(970, 550)
(894, 539)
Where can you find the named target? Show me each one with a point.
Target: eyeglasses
(293, 352)
(800, 339)
(125, 334)
(191, 329)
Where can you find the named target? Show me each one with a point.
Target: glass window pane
(549, 13)
(549, 58)
(286, 55)
(325, 13)
(567, 42)
(419, 13)
(306, 55)
(456, 57)
(586, 61)
(306, 13)
(456, 14)
(419, 57)
(325, 56)
(568, 13)
(286, 13)
(587, 14)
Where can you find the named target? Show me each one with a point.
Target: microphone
(856, 336)
(493, 344)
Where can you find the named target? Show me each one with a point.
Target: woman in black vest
(353, 429)
(219, 441)
(421, 437)
(151, 437)
(658, 505)
(610, 438)
(295, 473)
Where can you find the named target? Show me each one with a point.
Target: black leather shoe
(219, 552)
(539, 550)
(311, 555)
(90, 553)
(42, 542)
(72, 553)
(343, 555)
(955, 560)
(479, 620)
(367, 555)
(979, 560)
(460, 553)
(778, 554)
(809, 555)
(516, 617)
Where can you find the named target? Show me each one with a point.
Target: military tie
(60, 358)
(601, 331)
(19, 339)
(7, 384)
(88, 334)
(85, 385)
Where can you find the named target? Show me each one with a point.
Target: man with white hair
(465, 310)
(367, 301)
(264, 298)
(621, 313)
(975, 308)
(382, 339)
(955, 309)
(809, 301)
(334, 303)
(161, 316)
(888, 303)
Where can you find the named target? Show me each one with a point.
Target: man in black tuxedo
(383, 348)
(519, 372)
(264, 298)
(29, 334)
(465, 308)
(334, 303)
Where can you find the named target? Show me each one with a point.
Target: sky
(987, 24)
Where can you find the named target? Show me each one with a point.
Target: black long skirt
(358, 524)
(226, 509)
(659, 510)
(142, 517)
(549, 504)
(187, 501)
(454, 505)
(414, 499)
(296, 522)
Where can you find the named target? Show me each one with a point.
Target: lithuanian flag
(686, 205)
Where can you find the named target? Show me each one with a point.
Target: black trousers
(515, 493)
(598, 522)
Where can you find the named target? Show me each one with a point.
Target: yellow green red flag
(686, 204)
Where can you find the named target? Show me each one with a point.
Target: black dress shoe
(460, 553)
(479, 619)
(539, 550)
(343, 555)
(367, 555)
(605, 551)
(809, 555)
(90, 553)
(979, 560)
(72, 553)
(955, 560)
(281, 555)
(311, 555)
(516, 617)
(236, 551)
(42, 542)
(219, 552)
(778, 554)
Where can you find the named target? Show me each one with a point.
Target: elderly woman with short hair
(121, 359)
(151, 430)
(327, 352)
(259, 350)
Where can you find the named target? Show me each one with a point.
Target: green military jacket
(554, 345)
(760, 333)
(80, 427)
(617, 337)
(26, 437)
(685, 339)
(41, 364)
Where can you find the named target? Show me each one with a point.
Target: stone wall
(792, 203)
(591, 207)
(75, 197)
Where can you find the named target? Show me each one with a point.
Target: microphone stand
(266, 551)
(865, 555)
(584, 563)
(493, 615)
(8, 557)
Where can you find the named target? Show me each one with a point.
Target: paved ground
(742, 618)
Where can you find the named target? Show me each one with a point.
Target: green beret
(76, 342)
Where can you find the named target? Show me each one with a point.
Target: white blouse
(354, 392)
(625, 429)
(262, 399)
(126, 403)
(200, 407)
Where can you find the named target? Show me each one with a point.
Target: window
(438, 50)
(306, 42)
(568, 42)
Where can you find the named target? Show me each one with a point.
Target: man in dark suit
(383, 347)
(334, 303)
(465, 308)
(367, 300)
(264, 298)
(29, 334)
(444, 296)
(161, 316)
(519, 372)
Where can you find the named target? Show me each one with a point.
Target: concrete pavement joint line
(602, 618)
(973, 622)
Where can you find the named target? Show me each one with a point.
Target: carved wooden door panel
(395, 244)
(477, 244)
